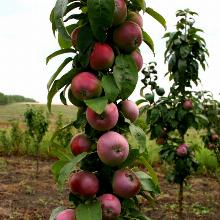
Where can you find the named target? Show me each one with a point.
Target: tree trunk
(180, 214)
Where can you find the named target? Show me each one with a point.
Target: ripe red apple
(125, 183)
(74, 100)
(182, 150)
(135, 17)
(138, 59)
(86, 85)
(102, 57)
(74, 36)
(111, 206)
(84, 183)
(120, 12)
(214, 137)
(112, 148)
(129, 110)
(105, 121)
(67, 214)
(80, 143)
(187, 104)
(128, 36)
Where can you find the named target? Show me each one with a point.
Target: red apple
(129, 110)
(214, 137)
(67, 214)
(86, 85)
(187, 104)
(105, 121)
(182, 150)
(84, 183)
(126, 184)
(102, 57)
(135, 17)
(211, 146)
(111, 206)
(138, 59)
(74, 36)
(128, 36)
(74, 100)
(80, 143)
(120, 12)
(112, 148)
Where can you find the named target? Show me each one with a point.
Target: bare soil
(23, 197)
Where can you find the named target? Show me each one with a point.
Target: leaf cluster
(185, 51)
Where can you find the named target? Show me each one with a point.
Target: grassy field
(16, 111)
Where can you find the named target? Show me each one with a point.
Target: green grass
(16, 111)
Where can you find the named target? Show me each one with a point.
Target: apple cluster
(111, 146)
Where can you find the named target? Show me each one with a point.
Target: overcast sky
(26, 39)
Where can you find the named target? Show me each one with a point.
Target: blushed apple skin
(112, 148)
(80, 143)
(214, 137)
(105, 121)
(128, 36)
(136, 18)
(129, 109)
(182, 150)
(102, 57)
(187, 104)
(84, 184)
(74, 36)
(138, 59)
(67, 214)
(120, 12)
(111, 206)
(86, 85)
(126, 184)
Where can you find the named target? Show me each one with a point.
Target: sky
(26, 39)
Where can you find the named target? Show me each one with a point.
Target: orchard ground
(22, 197)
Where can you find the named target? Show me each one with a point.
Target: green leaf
(63, 42)
(90, 211)
(125, 74)
(59, 11)
(110, 87)
(98, 104)
(184, 51)
(52, 20)
(59, 84)
(100, 13)
(72, 6)
(69, 168)
(182, 65)
(148, 40)
(140, 137)
(132, 156)
(55, 212)
(81, 119)
(85, 41)
(139, 4)
(60, 68)
(138, 102)
(59, 52)
(146, 182)
(56, 167)
(157, 16)
(150, 170)
(154, 116)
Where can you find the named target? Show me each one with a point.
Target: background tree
(37, 125)
(171, 116)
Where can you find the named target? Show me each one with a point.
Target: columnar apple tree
(102, 39)
(171, 116)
